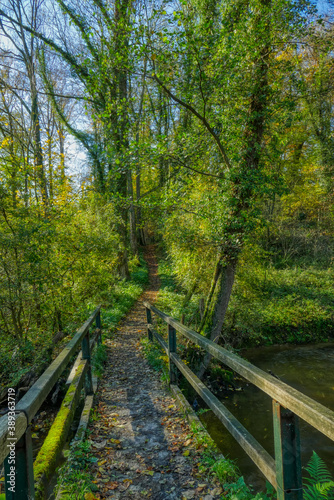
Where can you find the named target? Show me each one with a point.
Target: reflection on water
(310, 369)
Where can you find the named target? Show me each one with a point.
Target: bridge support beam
(149, 322)
(20, 485)
(85, 346)
(172, 348)
(287, 454)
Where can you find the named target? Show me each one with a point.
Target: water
(310, 369)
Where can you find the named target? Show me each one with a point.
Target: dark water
(310, 369)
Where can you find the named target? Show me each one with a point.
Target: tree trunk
(218, 307)
(132, 217)
(244, 183)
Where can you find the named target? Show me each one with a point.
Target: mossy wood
(284, 473)
(28, 407)
(34, 398)
(48, 455)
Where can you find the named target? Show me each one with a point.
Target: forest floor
(141, 439)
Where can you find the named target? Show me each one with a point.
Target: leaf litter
(140, 439)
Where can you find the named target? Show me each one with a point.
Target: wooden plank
(34, 398)
(171, 349)
(93, 341)
(314, 413)
(148, 321)
(6, 438)
(256, 452)
(84, 419)
(85, 348)
(159, 339)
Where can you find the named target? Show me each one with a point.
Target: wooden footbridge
(30, 478)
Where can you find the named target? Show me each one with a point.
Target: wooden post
(98, 325)
(287, 454)
(22, 487)
(149, 322)
(172, 348)
(85, 346)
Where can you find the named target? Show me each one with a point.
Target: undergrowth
(98, 359)
(269, 303)
(156, 357)
(17, 360)
(74, 478)
(319, 485)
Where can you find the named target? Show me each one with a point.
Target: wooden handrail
(316, 414)
(28, 406)
(259, 455)
(284, 473)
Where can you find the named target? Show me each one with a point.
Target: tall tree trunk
(61, 138)
(121, 122)
(222, 294)
(132, 216)
(243, 184)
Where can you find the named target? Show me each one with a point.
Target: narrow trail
(139, 435)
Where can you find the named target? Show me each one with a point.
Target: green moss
(48, 455)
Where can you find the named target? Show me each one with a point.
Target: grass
(156, 357)
(98, 359)
(270, 304)
(212, 463)
(74, 478)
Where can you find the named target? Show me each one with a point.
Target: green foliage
(211, 462)
(271, 304)
(74, 478)
(156, 357)
(98, 359)
(171, 297)
(319, 484)
(240, 491)
(82, 272)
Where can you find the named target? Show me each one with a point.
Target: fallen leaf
(112, 486)
(148, 472)
(90, 496)
(100, 445)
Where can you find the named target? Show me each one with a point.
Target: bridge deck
(140, 436)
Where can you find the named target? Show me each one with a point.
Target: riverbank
(269, 305)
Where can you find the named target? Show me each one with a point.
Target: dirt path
(139, 436)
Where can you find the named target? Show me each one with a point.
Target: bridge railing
(283, 472)
(15, 433)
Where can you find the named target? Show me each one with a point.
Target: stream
(310, 369)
